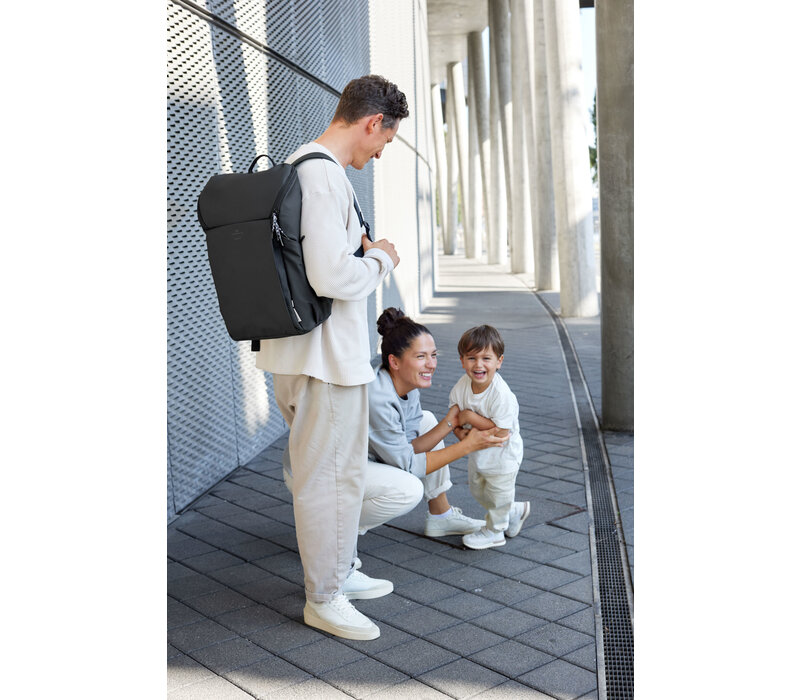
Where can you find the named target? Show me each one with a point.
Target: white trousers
(390, 492)
(327, 452)
(495, 492)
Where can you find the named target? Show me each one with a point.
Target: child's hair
(479, 338)
(398, 332)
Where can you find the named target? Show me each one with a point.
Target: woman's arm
(426, 442)
(473, 441)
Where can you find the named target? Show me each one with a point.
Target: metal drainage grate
(615, 626)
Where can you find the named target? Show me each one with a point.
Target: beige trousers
(495, 492)
(328, 454)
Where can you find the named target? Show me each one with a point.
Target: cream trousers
(390, 492)
(495, 492)
(328, 429)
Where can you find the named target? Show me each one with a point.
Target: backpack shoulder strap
(310, 156)
(364, 224)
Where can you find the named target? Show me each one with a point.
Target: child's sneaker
(483, 539)
(456, 523)
(519, 513)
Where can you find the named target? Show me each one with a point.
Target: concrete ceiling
(449, 22)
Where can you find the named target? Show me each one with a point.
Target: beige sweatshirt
(336, 351)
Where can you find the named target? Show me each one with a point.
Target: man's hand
(384, 245)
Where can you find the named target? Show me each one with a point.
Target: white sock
(441, 515)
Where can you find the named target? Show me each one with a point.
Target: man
(320, 378)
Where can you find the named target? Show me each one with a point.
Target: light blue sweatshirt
(393, 423)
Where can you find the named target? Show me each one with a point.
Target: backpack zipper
(277, 231)
(299, 320)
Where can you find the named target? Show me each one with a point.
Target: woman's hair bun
(389, 319)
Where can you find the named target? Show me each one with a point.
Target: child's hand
(460, 432)
(452, 416)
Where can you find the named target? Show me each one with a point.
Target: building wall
(229, 101)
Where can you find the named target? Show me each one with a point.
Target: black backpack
(252, 226)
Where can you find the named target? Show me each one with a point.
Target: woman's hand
(481, 439)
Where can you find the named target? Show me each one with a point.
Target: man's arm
(331, 268)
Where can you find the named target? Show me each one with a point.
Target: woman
(407, 455)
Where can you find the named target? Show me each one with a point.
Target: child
(485, 401)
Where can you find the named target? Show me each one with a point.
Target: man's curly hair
(371, 94)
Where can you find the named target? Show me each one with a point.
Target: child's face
(480, 366)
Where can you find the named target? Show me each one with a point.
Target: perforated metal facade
(227, 102)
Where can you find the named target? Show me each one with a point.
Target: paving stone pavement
(510, 622)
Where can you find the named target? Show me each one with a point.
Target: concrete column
(473, 244)
(479, 113)
(545, 249)
(451, 232)
(496, 243)
(614, 32)
(500, 48)
(455, 92)
(521, 230)
(441, 158)
(570, 152)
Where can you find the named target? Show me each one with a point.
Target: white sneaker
(338, 616)
(359, 586)
(518, 514)
(454, 524)
(483, 539)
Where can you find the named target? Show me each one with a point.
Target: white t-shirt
(497, 403)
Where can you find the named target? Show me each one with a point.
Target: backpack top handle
(255, 160)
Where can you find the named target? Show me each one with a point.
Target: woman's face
(415, 367)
